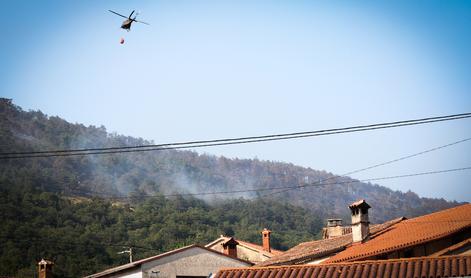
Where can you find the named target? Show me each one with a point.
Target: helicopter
(126, 25)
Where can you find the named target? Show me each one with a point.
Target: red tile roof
(311, 250)
(424, 267)
(409, 233)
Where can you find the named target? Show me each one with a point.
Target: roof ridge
(443, 211)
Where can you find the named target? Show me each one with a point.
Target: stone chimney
(230, 247)
(266, 240)
(334, 228)
(45, 269)
(360, 221)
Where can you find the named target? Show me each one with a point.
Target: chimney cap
(265, 231)
(362, 204)
(333, 222)
(230, 241)
(334, 219)
(43, 261)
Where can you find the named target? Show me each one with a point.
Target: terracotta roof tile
(410, 232)
(306, 251)
(423, 267)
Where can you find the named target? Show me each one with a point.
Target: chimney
(45, 269)
(230, 247)
(360, 221)
(334, 228)
(266, 239)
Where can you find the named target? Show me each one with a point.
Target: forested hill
(174, 171)
(71, 210)
(83, 236)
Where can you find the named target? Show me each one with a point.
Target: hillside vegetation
(172, 171)
(84, 236)
(72, 210)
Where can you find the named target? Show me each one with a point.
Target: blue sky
(216, 69)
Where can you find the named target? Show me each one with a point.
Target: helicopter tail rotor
(132, 14)
(135, 20)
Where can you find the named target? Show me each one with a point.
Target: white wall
(191, 262)
(130, 274)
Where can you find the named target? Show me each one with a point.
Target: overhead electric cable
(68, 243)
(281, 187)
(384, 163)
(228, 141)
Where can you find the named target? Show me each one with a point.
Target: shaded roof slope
(430, 267)
(249, 245)
(410, 232)
(460, 246)
(310, 250)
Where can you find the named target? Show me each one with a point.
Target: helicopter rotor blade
(131, 14)
(118, 14)
(141, 22)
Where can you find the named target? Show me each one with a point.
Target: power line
(385, 163)
(281, 187)
(294, 187)
(417, 174)
(285, 188)
(229, 141)
(407, 157)
(68, 243)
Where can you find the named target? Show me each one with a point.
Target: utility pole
(129, 251)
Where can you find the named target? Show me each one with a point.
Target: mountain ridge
(186, 172)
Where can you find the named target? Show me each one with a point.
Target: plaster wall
(137, 273)
(191, 262)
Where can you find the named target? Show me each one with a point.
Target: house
(446, 232)
(426, 267)
(317, 251)
(429, 246)
(443, 232)
(191, 261)
(245, 250)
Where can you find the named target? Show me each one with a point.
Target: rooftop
(430, 267)
(310, 250)
(409, 233)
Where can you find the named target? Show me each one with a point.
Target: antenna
(127, 251)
